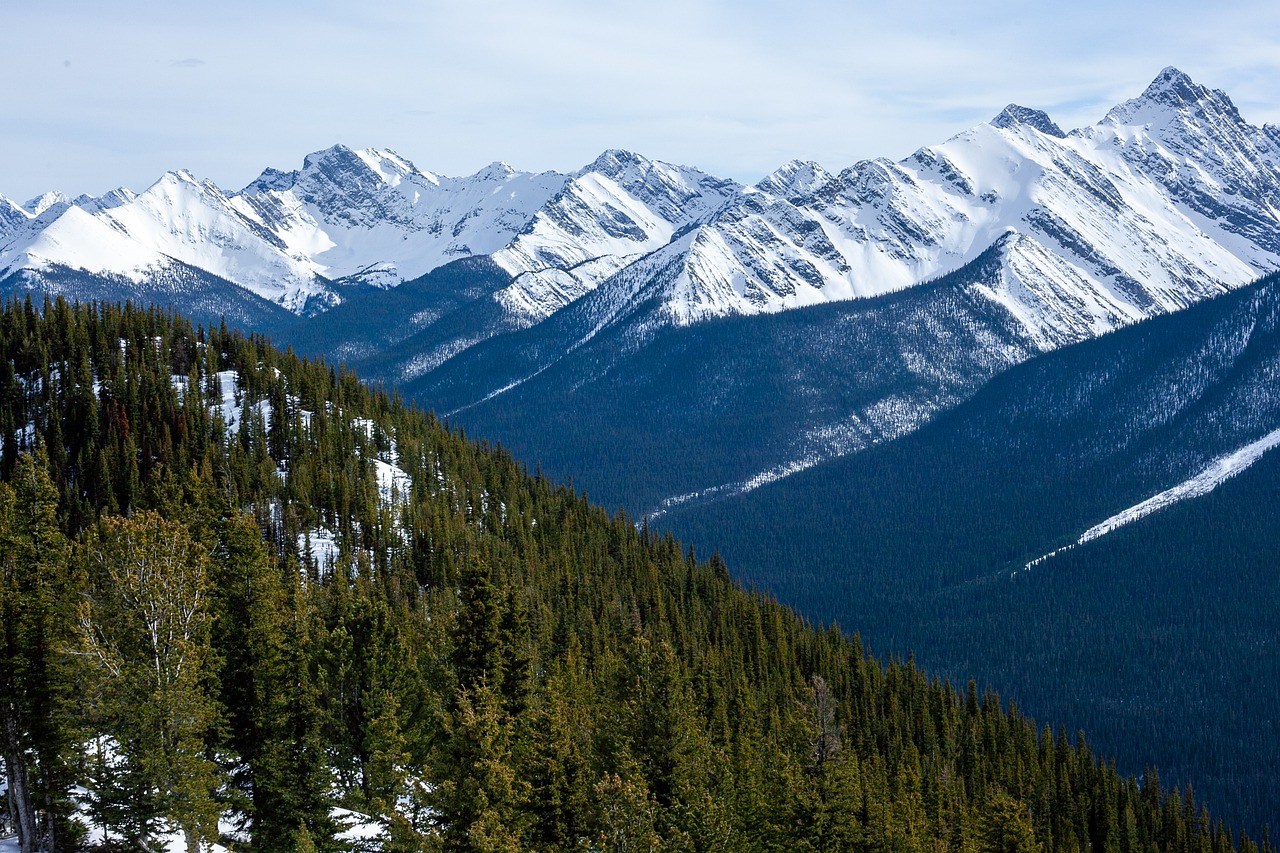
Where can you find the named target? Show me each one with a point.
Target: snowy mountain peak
(271, 179)
(107, 201)
(177, 176)
(347, 168)
(11, 216)
(797, 179)
(1174, 94)
(1015, 115)
(495, 171)
(344, 166)
(10, 207)
(1172, 84)
(391, 167)
(614, 162)
(335, 155)
(40, 204)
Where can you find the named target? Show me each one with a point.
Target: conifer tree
(267, 697)
(36, 590)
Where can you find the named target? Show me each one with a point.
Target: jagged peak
(177, 176)
(1015, 115)
(272, 179)
(795, 178)
(498, 170)
(1171, 78)
(390, 166)
(1172, 91)
(336, 153)
(182, 178)
(338, 159)
(380, 164)
(43, 202)
(11, 216)
(106, 201)
(614, 161)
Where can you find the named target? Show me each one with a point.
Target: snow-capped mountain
(11, 216)
(616, 210)
(366, 217)
(1169, 199)
(372, 217)
(1061, 236)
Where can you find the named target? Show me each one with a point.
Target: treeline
(483, 662)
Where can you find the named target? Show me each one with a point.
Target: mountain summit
(1170, 199)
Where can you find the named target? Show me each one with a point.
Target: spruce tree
(37, 587)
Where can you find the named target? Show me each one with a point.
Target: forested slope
(1157, 638)
(248, 600)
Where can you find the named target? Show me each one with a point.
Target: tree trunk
(8, 798)
(19, 789)
(50, 843)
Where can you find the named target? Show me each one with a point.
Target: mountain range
(515, 300)
(928, 398)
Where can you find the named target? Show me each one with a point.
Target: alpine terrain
(251, 605)
(780, 324)
(1006, 404)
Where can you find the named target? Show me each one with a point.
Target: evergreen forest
(250, 603)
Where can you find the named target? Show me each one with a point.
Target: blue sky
(99, 95)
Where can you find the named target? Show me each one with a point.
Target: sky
(99, 95)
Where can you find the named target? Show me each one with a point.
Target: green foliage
(487, 662)
(144, 629)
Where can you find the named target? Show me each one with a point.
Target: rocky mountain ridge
(1047, 238)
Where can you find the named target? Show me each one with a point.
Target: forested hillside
(1158, 638)
(248, 601)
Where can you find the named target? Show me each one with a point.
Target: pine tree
(1006, 827)
(478, 792)
(267, 695)
(36, 678)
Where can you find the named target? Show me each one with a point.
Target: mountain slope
(931, 542)
(371, 217)
(395, 639)
(1064, 236)
(687, 408)
(206, 298)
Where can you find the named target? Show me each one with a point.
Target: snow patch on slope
(1215, 474)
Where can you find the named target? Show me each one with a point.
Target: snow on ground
(228, 382)
(324, 546)
(1215, 474)
(25, 437)
(394, 483)
(359, 831)
(231, 404)
(1219, 471)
